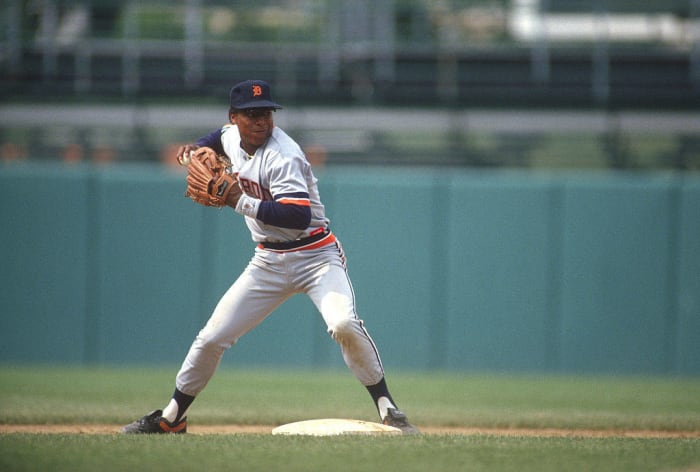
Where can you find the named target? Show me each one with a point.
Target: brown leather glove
(209, 181)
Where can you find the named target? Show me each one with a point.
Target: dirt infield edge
(433, 430)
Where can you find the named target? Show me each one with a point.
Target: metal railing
(426, 82)
(361, 51)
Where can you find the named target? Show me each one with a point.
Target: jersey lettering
(252, 188)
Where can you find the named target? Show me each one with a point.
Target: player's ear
(232, 116)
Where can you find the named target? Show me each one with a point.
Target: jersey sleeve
(290, 205)
(212, 140)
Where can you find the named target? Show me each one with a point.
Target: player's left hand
(209, 181)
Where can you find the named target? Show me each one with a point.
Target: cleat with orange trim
(154, 423)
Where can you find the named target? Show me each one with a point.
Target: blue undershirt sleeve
(212, 140)
(284, 215)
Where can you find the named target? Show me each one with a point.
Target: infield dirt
(267, 429)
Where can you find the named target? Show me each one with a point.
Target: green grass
(115, 395)
(273, 453)
(46, 395)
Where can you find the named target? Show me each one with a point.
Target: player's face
(255, 126)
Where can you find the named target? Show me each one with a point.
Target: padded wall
(452, 269)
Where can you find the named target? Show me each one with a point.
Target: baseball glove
(208, 180)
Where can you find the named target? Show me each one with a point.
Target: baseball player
(270, 182)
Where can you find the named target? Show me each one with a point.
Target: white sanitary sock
(383, 405)
(170, 411)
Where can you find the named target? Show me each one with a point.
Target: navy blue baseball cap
(252, 94)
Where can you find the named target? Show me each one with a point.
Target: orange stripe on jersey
(328, 239)
(316, 241)
(295, 201)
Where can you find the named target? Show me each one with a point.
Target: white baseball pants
(270, 278)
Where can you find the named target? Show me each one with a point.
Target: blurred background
(104, 80)
(516, 181)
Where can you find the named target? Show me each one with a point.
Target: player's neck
(250, 150)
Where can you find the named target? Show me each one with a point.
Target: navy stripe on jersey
(212, 140)
(289, 210)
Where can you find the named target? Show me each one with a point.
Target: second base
(334, 427)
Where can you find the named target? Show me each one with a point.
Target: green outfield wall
(458, 270)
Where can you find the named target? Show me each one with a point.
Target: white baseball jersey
(287, 261)
(277, 171)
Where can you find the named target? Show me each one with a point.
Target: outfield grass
(49, 395)
(58, 452)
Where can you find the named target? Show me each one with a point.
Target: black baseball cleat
(398, 419)
(154, 423)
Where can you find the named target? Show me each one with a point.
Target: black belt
(297, 243)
